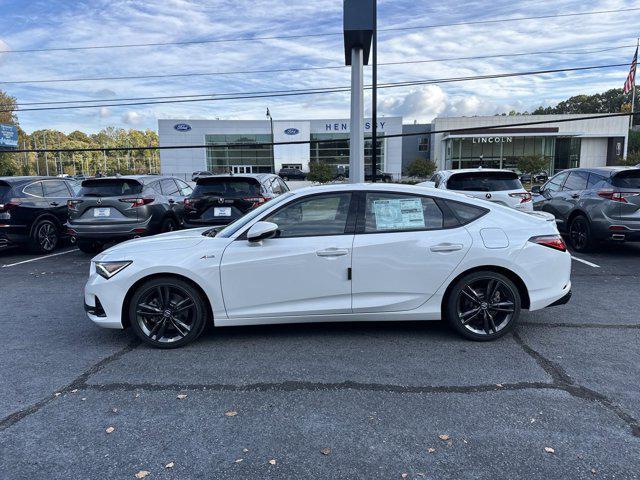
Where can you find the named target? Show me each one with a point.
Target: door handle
(575, 195)
(54, 204)
(172, 201)
(333, 252)
(446, 247)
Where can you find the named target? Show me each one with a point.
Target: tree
(320, 172)
(8, 165)
(422, 167)
(531, 164)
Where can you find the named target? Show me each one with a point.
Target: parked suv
(495, 185)
(33, 211)
(117, 208)
(222, 199)
(200, 174)
(292, 174)
(593, 204)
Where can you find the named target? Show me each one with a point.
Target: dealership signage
(493, 140)
(8, 136)
(292, 131)
(344, 127)
(182, 127)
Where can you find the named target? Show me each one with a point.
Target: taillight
(73, 204)
(138, 202)
(524, 196)
(256, 201)
(5, 207)
(617, 196)
(552, 241)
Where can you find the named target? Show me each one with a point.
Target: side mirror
(428, 184)
(536, 189)
(262, 231)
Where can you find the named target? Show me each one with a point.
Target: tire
(167, 312)
(286, 179)
(468, 310)
(580, 235)
(89, 246)
(168, 225)
(45, 236)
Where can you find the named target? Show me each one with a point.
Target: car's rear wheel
(483, 306)
(168, 225)
(285, 178)
(167, 312)
(44, 237)
(89, 246)
(580, 235)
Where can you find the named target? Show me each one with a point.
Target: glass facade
(503, 152)
(221, 156)
(335, 151)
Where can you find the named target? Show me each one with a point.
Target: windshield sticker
(398, 214)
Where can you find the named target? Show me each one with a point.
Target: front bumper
(103, 300)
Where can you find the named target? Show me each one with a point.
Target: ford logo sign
(292, 131)
(182, 127)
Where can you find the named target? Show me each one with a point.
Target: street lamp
(273, 159)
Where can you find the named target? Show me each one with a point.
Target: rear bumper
(13, 235)
(108, 231)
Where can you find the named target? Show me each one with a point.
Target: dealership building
(571, 143)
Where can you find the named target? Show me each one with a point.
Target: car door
(56, 193)
(403, 251)
(303, 271)
(548, 198)
(175, 199)
(572, 189)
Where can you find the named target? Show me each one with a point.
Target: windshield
(227, 187)
(484, 181)
(627, 179)
(232, 228)
(109, 188)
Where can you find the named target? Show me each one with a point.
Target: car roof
(475, 170)
(144, 179)
(256, 176)
(22, 180)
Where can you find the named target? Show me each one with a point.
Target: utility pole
(46, 160)
(273, 154)
(35, 145)
(374, 96)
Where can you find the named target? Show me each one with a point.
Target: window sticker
(398, 214)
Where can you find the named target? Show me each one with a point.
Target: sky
(37, 24)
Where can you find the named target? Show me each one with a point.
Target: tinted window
(4, 190)
(168, 186)
(627, 179)
(109, 188)
(283, 185)
(464, 212)
(227, 187)
(576, 181)
(185, 189)
(55, 189)
(321, 215)
(484, 181)
(555, 184)
(595, 179)
(396, 213)
(35, 189)
(275, 186)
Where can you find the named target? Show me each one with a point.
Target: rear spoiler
(549, 217)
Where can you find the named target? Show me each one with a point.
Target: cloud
(104, 93)
(131, 118)
(104, 112)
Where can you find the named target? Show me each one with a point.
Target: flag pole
(633, 107)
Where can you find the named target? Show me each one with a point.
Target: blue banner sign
(8, 136)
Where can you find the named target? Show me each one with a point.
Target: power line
(287, 93)
(500, 129)
(300, 69)
(312, 35)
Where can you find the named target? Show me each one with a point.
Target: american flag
(631, 79)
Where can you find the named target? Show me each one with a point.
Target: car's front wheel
(167, 312)
(483, 306)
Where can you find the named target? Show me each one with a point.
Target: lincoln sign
(493, 140)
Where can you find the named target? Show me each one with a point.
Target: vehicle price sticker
(222, 212)
(398, 214)
(102, 212)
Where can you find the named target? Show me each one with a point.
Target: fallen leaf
(431, 450)
(325, 451)
(83, 398)
(272, 461)
(114, 410)
(230, 413)
(245, 450)
(404, 475)
(142, 473)
(499, 385)
(444, 438)
(181, 396)
(169, 465)
(57, 394)
(549, 450)
(239, 460)
(110, 429)
(136, 395)
(593, 470)
(74, 390)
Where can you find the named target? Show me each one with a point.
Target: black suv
(222, 199)
(292, 174)
(593, 204)
(118, 208)
(33, 211)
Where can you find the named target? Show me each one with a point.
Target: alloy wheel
(166, 313)
(579, 233)
(47, 236)
(485, 306)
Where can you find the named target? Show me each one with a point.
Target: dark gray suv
(593, 205)
(118, 208)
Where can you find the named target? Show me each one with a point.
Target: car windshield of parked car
(627, 179)
(234, 227)
(110, 188)
(227, 187)
(484, 181)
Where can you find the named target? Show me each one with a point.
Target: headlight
(109, 269)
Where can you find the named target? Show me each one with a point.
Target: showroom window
(253, 157)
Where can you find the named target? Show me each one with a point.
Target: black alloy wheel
(167, 313)
(168, 225)
(483, 306)
(580, 234)
(44, 238)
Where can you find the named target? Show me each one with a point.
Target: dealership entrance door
(242, 169)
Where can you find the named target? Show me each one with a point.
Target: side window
(315, 216)
(577, 180)
(283, 185)
(169, 187)
(185, 189)
(275, 186)
(437, 180)
(155, 186)
(55, 189)
(464, 212)
(385, 212)
(35, 189)
(594, 179)
(555, 184)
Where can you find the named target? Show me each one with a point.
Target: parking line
(585, 262)
(39, 258)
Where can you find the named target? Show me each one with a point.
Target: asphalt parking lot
(558, 399)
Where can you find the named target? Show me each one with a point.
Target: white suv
(500, 186)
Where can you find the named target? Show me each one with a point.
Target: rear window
(627, 179)
(4, 190)
(484, 181)
(227, 187)
(464, 212)
(109, 188)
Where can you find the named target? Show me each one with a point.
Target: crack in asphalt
(614, 326)
(78, 383)
(562, 381)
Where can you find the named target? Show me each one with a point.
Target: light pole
(374, 95)
(273, 156)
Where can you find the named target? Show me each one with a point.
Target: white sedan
(337, 253)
